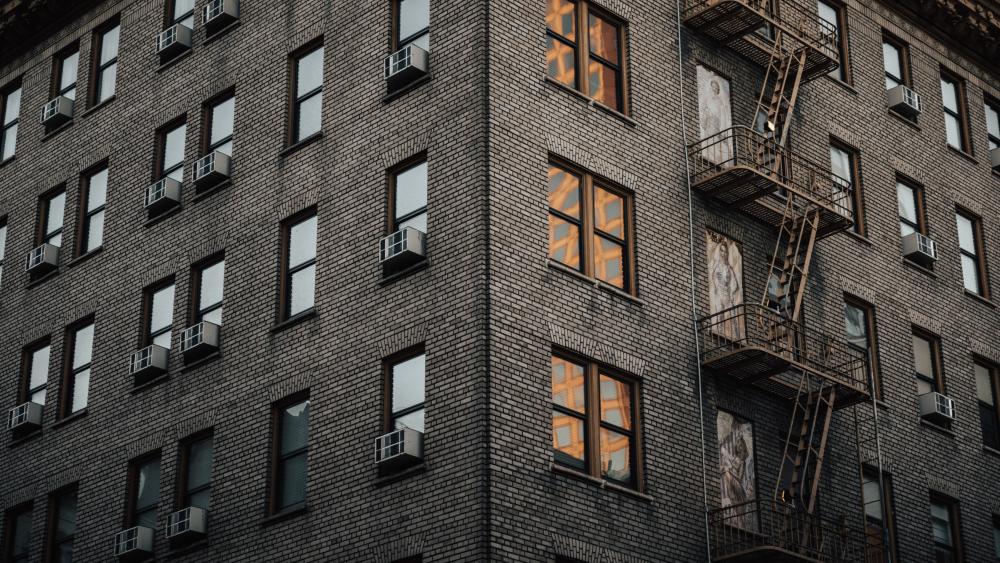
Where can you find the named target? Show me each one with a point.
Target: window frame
(961, 97)
(208, 122)
(278, 459)
(160, 158)
(199, 309)
(286, 271)
(393, 174)
(147, 335)
(389, 416)
(5, 94)
(69, 373)
(183, 493)
(86, 215)
(857, 200)
(993, 375)
(937, 364)
(919, 205)
(871, 335)
(43, 235)
(888, 507)
(56, 89)
(132, 510)
(991, 104)
(3, 244)
(903, 49)
(395, 41)
(171, 18)
(843, 72)
(52, 540)
(11, 515)
(954, 521)
(979, 257)
(24, 388)
(296, 98)
(98, 69)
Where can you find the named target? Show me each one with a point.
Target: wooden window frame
(919, 205)
(55, 89)
(85, 214)
(955, 521)
(42, 233)
(69, 373)
(197, 309)
(980, 257)
(131, 504)
(395, 41)
(888, 506)
(593, 423)
(278, 460)
(208, 120)
(993, 373)
(844, 73)
(963, 111)
(393, 173)
(52, 541)
(146, 334)
(159, 163)
(10, 517)
(937, 363)
(296, 98)
(585, 223)
(286, 272)
(24, 389)
(96, 68)
(168, 14)
(871, 335)
(182, 496)
(991, 103)
(5, 93)
(904, 59)
(854, 156)
(388, 363)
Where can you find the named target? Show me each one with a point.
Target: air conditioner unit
(399, 449)
(57, 111)
(199, 340)
(936, 407)
(148, 363)
(187, 524)
(43, 258)
(904, 101)
(211, 169)
(163, 195)
(173, 41)
(220, 13)
(402, 248)
(995, 159)
(26, 416)
(134, 543)
(920, 248)
(405, 66)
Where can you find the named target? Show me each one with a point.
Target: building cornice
(24, 23)
(971, 24)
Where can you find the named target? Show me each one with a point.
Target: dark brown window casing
(972, 253)
(850, 171)
(65, 67)
(218, 122)
(288, 460)
(390, 413)
(852, 303)
(956, 112)
(35, 359)
(142, 502)
(880, 518)
(78, 353)
(992, 108)
(942, 505)
(400, 217)
(297, 265)
(154, 329)
(207, 288)
(927, 361)
(104, 62)
(896, 60)
(987, 376)
(193, 489)
(91, 207)
(408, 33)
(60, 524)
(179, 12)
(838, 19)
(15, 519)
(305, 92)
(170, 150)
(10, 115)
(51, 217)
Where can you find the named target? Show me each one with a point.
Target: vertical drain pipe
(694, 296)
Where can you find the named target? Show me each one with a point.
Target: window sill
(136, 389)
(35, 282)
(386, 280)
(402, 91)
(94, 108)
(860, 238)
(920, 268)
(292, 321)
(595, 282)
(602, 483)
(164, 65)
(946, 431)
(202, 361)
(592, 102)
(300, 144)
(57, 130)
(847, 87)
(400, 475)
(211, 190)
(162, 215)
(906, 120)
(285, 515)
(221, 32)
(991, 451)
(68, 419)
(84, 257)
(980, 298)
(962, 154)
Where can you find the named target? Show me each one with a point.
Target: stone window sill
(292, 321)
(293, 148)
(595, 282)
(602, 483)
(70, 418)
(592, 102)
(286, 514)
(980, 299)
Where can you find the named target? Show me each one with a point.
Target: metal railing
(742, 147)
(793, 16)
(756, 326)
(763, 525)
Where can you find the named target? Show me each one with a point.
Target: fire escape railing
(793, 17)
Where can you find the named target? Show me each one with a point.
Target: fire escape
(765, 344)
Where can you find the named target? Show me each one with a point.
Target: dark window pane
(941, 524)
(564, 241)
(22, 533)
(66, 515)
(302, 242)
(293, 481)
(302, 290)
(201, 499)
(616, 402)
(568, 385)
(568, 439)
(616, 458)
(199, 463)
(310, 116)
(414, 16)
(148, 487)
(604, 39)
(408, 380)
(295, 427)
(310, 72)
(411, 190)
(561, 61)
(561, 18)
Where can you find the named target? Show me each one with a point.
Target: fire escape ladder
(805, 447)
(781, 87)
(790, 265)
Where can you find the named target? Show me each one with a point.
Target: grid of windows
(953, 99)
(291, 448)
(10, 109)
(171, 155)
(196, 472)
(36, 373)
(80, 343)
(159, 314)
(93, 198)
(209, 280)
(307, 106)
(408, 201)
(17, 534)
(580, 36)
(970, 244)
(50, 214)
(987, 391)
(220, 125)
(298, 293)
(144, 492)
(412, 24)
(859, 320)
(927, 363)
(406, 379)
(106, 61)
(61, 525)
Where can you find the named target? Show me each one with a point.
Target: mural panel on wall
(714, 116)
(725, 283)
(737, 471)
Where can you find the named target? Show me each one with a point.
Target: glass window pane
(65, 515)
(67, 76)
(408, 383)
(418, 222)
(564, 242)
(39, 373)
(211, 284)
(561, 61)
(293, 481)
(9, 142)
(966, 234)
(162, 313)
(568, 385)
(891, 58)
(12, 106)
(310, 72)
(604, 84)
(411, 190)
(907, 202)
(295, 427)
(310, 116)
(609, 212)
(949, 95)
(984, 385)
(201, 499)
(609, 261)
(173, 151)
(109, 45)
(992, 121)
(828, 14)
(214, 316)
(163, 340)
(95, 231)
(182, 7)
(81, 388)
(148, 491)
(856, 325)
(872, 497)
(414, 420)
(414, 16)
(941, 523)
(54, 218)
(222, 120)
(604, 39)
(3, 240)
(996, 539)
(923, 361)
(38, 397)
(302, 290)
(616, 458)
(564, 192)
(924, 387)
(568, 439)
(840, 163)
(561, 18)
(97, 189)
(199, 463)
(616, 402)
(970, 274)
(146, 518)
(953, 132)
(22, 533)
(83, 342)
(302, 242)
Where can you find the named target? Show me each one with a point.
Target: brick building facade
(491, 303)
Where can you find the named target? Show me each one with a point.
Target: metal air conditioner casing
(57, 111)
(406, 65)
(134, 543)
(200, 340)
(995, 159)
(220, 13)
(162, 196)
(187, 523)
(211, 169)
(904, 101)
(402, 248)
(173, 41)
(920, 248)
(399, 449)
(43, 258)
(937, 408)
(148, 362)
(26, 416)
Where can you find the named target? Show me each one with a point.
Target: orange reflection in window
(609, 261)
(561, 18)
(568, 435)
(603, 84)
(568, 385)
(564, 192)
(609, 214)
(564, 241)
(604, 39)
(616, 458)
(616, 402)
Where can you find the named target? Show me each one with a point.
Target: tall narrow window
(996, 536)
(833, 19)
(93, 197)
(407, 378)
(10, 104)
(196, 473)
(879, 526)
(50, 214)
(944, 527)
(847, 180)
(580, 36)
(412, 23)
(144, 492)
(409, 197)
(911, 209)
(993, 123)
(17, 534)
(291, 448)
(209, 281)
(80, 343)
(220, 126)
(61, 526)
(987, 391)
(896, 61)
(65, 74)
(955, 122)
(3, 245)
(159, 314)
(171, 155)
(298, 289)
(307, 108)
(180, 12)
(927, 363)
(35, 373)
(859, 319)
(106, 63)
(593, 421)
(970, 243)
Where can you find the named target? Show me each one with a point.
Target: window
(992, 124)
(3, 244)
(589, 227)
(80, 343)
(144, 492)
(106, 63)
(833, 19)
(291, 447)
(208, 284)
(944, 527)
(17, 534)
(987, 391)
(911, 209)
(594, 420)
(955, 122)
(35, 373)
(996, 536)
(307, 107)
(408, 201)
(927, 363)
(411, 24)
(93, 196)
(847, 181)
(298, 280)
(970, 243)
(50, 214)
(879, 525)
(180, 12)
(599, 49)
(896, 59)
(158, 314)
(65, 73)
(859, 319)
(219, 127)
(406, 382)
(196, 473)
(10, 109)
(171, 152)
(61, 525)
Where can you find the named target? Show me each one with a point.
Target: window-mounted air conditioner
(148, 362)
(904, 101)
(919, 248)
(995, 159)
(199, 340)
(936, 407)
(57, 111)
(134, 543)
(173, 41)
(399, 449)
(26, 416)
(402, 248)
(220, 13)
(163, 195)
(187, 523)
(405, 65)
(43, 258)
(211, 169)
